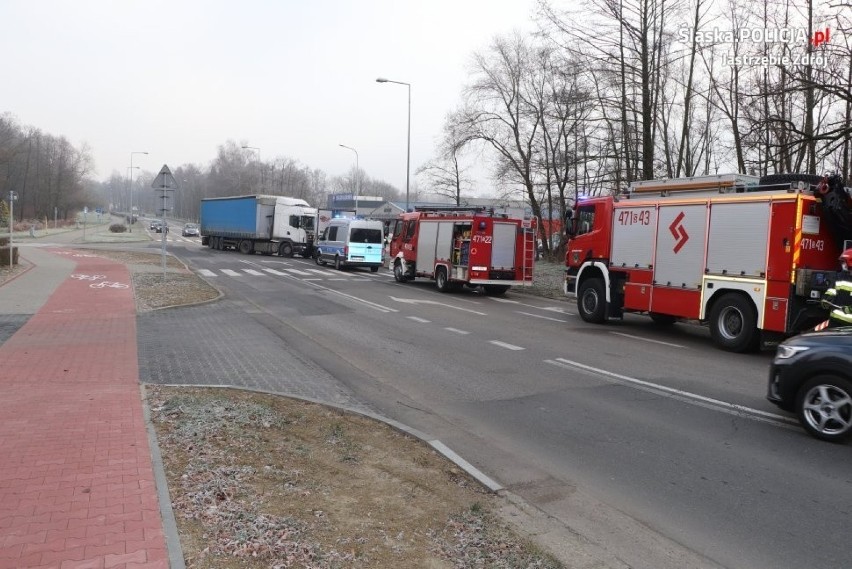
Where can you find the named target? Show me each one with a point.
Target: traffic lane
(742, 492)
(682, 359)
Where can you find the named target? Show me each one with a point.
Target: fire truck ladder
(529, 247)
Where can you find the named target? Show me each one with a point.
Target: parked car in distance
(190, 230)
(811, 375)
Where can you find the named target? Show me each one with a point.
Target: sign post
(164, 183)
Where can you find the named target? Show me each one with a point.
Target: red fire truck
(459, 246)
(748, 256)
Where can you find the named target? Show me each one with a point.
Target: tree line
(616, 91)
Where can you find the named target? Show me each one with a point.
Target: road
(648, 442)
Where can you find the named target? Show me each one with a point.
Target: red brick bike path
(77, 483)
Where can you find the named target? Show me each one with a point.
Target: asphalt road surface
(649, 442)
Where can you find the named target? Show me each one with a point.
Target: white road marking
(298, 272)
(505, 345)
(456, 331)
(694, 398)
(231, 273)
(253, 272)
(518, 303)
(322, 271)
(418, 319)
(540, 316)
(206, 273)
(632, 337)
(274, 272)
(436, 303)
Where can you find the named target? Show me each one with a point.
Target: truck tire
(733, 324)
(285, 250)
(591, 301)
(245, 247)
(441, 280)
(398, 274)
(495, 290)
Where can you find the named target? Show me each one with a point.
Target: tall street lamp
(408, 153)
(258, 164)
(130, 225)
(12, 197)
(357, 177)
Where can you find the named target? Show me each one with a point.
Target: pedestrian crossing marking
(305, 274)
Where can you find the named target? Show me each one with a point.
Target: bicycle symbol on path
(99, 283)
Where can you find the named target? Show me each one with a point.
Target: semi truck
(270, 225)
(749, 257)
(458, 246)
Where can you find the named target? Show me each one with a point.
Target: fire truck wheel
(398, 275)
(441, 280)
(733, 324)
(495, 290)
(591, 301)
(824, 408)
(245, 247)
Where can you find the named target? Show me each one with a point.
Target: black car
(811, 376)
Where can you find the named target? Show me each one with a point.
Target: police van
(350, 242)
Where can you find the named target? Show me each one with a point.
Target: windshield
(307, 222)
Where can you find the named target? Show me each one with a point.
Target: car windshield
(191, 226)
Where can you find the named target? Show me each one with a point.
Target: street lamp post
(357, 177)
(12, 197)
(259, 167)
(130, 225)
(408, 152)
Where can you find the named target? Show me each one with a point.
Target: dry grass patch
(265, 481)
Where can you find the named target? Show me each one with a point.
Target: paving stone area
(220, 344)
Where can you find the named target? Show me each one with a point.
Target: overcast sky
(295, 78)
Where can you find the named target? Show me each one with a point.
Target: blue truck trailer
(270, 225)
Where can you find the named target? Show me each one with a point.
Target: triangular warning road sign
(164, 180)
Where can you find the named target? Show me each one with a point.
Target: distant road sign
(164, 180)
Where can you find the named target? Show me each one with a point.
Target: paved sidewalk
(77, 483)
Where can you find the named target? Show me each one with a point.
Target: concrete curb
(176, 560)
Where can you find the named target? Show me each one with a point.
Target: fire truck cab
(750, 257)
(457, 246)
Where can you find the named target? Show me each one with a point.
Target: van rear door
(365, 245)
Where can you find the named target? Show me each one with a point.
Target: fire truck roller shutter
(740, 227)
(503, 245)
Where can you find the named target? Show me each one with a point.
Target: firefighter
(839, 297)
